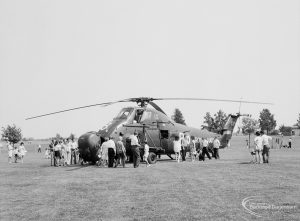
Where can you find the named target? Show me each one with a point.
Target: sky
(61, 54)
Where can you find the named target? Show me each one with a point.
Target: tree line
(215, 123)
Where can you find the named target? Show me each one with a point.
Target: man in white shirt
(204, 149)
(135, 147)
(216, 145)
(111, 152)
(266, 146)
(73, 151)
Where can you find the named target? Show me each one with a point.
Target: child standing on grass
(177, 148)
(146, 154)
(193, 149)
(10, 151)
(22, 151)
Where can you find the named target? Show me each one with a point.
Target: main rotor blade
(208, 99)
(76, 108)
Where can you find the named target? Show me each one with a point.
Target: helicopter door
(164, 139)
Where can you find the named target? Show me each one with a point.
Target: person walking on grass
(204, 150)
(290, 142)
(258, 147)
(146, 154)
(10, 151)
(22, 151)
(104, 152)
(39, 148)
(184, 145)
(177, 147)
(193, 149)
(216, 146)
(266, 146)
(135, 147)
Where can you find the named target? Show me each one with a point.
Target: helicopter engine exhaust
(88, 145)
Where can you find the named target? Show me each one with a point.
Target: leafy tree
(286, 131)
(249, 125)
(266, 120)
(219, 121)
(209, 121)
(72, 136)
(178, 117)
(12, 134)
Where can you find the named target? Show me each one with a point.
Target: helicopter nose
(88, 145)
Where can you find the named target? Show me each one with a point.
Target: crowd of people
(16, 152)
(64, 152)
(113, 152)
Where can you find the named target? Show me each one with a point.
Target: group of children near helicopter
(16, 152)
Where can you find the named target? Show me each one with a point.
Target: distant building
(295, 131)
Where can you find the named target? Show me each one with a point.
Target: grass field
(210, 190)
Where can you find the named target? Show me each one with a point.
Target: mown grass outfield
(210, 190)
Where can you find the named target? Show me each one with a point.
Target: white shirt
(68, 147)
(205, 143)
(134, 140)
(73, 145)
(146, 150)
(177, 146)
(111, 144)
(265, 140)
(216, 143)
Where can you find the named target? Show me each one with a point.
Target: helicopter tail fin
(228, 129)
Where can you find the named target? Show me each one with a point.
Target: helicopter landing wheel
(152, 158)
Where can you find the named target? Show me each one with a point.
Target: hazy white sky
(62, 54)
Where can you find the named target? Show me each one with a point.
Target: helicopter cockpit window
(147, 116)
(124, 113)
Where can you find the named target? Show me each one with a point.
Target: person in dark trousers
(111, 152)
(135, 147)
(204, 150)
(39, 149)
(120, 151)
(290, 143)
(51, 151)
(216, 144)
(74, 145)
(184, 145)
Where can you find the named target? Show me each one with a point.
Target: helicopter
(152, 125)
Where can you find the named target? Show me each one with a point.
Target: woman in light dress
(22, 151)
(258, 147)
(9, 151)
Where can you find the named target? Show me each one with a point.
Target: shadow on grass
(246, 163)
